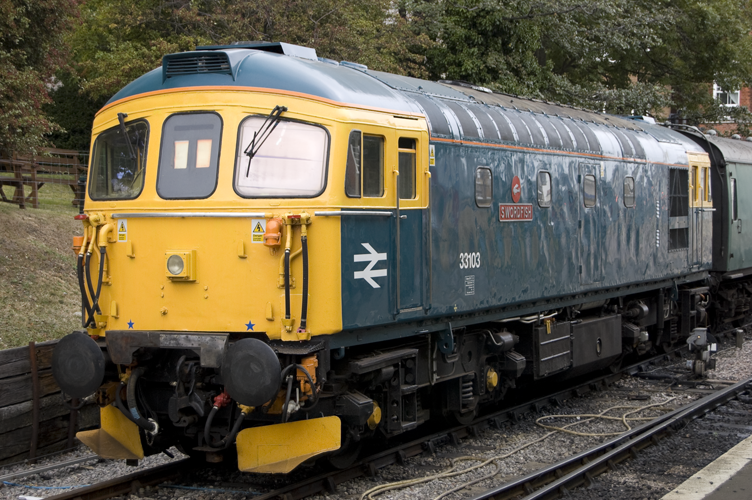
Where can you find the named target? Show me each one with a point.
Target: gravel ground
(677, 457)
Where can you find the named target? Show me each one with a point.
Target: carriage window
(352, 168)
(588, 191)
(291, 162)
(708, 194)
(373, 166)
(629, 192)
(483, 187)
(700, 180)
(544, 189)
(406, 177)
(189, 156)
(118, 162)
(734, 202)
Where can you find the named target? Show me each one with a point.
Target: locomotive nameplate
(515, 212)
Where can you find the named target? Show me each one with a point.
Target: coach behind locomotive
(289, 254)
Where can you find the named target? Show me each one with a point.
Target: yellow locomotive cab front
(206, 223)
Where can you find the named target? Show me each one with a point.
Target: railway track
(179, 471)
(557, 479)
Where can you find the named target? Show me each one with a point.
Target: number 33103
(469, 260)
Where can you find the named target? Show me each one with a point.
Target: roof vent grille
(192, 63)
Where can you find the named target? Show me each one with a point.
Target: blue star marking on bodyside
(249, 326)
(130, 324)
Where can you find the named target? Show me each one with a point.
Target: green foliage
(73, 110)
(32, 48)
(619, 56)
(120, 40)
(616, 55)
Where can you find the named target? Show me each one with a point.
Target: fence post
(34, 402)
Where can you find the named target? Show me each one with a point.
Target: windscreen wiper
(121, 119)
(262, 134)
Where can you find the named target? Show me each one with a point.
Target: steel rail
(327, 482)
(558, 478)
(130, 483)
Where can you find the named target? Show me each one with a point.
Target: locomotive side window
(483, 187)
(588, 191)
(189, 156)
(544, 189)
(352, 168)
(406, 177)
(734, 203)
(364, 169)
(373, 166)
(118, 162)
(291, 162)
(629, 192)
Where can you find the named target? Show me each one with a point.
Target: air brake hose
(141, 422)
(148, 426)
(95, 296)
(87, 272)
(85, 309)
(225, 441)
(287, 283)
(304, 306)
(314, 394)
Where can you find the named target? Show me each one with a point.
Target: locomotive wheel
(464, 418)
(347, 453)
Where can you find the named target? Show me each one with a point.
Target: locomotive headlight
(175, 265)
(180, 265)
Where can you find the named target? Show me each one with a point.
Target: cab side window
(364, 170)
(406, 177)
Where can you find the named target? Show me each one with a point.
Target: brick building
(729, 99)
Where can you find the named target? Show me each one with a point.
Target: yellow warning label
(257, 236)
(122, 230)
(432, 155)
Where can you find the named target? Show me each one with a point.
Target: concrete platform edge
(706, 481)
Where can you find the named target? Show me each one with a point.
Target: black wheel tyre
(347, 453)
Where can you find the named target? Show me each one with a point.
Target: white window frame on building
(730, 99)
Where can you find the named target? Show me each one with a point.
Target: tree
(32, 48)
(119, 40)
(621, 55)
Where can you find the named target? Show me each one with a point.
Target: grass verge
(39, 298)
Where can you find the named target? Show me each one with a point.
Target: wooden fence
(34, 418)
(54, 166)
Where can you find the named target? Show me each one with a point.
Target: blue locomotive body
(520, 240)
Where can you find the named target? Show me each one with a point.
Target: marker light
(175, 265)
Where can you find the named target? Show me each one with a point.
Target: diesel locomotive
(284, 255)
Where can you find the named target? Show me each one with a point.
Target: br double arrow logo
(369, 273)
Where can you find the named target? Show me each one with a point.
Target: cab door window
(406, 177)
(189, 156)
(364, 170)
